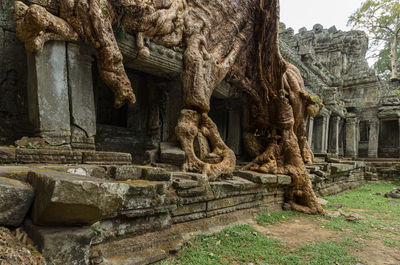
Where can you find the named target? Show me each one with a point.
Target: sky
(306, 13)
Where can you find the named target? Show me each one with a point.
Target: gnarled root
(36, 26)
(189, 125)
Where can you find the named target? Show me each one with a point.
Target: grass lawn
(293, 238)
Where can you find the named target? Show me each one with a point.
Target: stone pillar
(351, 137)
(48, 99)
(334, 135)
(82, 106)
(234, 130)
(341, 137)
(373, 138)
(399, 137)
(325, 132)
(310, 130)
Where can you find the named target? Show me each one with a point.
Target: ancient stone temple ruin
(130, 185)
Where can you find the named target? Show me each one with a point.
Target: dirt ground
(300, 231)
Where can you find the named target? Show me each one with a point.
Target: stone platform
(128, 214)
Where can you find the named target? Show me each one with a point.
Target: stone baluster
(325, 132)
(351, 137)
(310, 130)
(334, 135)
(373, 138)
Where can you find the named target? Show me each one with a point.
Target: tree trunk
(393, 56)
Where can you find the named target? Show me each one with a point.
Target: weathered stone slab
(284, 180)
(7, 155)
(48, 156)
(179, 183)
(231, 201)
(156, 174)
(190, 208)
(62, 245)
(171, 153)
(14, 172)
(189, 217)
(257, 177)
(192, 192)
(80, 83)
(111, 229)
(63, 198)
(48, 94)
(98, 158)
(15, 199)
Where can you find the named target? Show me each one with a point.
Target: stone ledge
(59, 156)
(101, 158)
(264, 178)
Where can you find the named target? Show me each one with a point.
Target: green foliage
(97, 230)
(383, 65)
(381, 19)
(31, 146)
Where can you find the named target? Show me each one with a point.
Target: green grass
(243, 244)
(391, 243)
(272, 218)
(379, 215)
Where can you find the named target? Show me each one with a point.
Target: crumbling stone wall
(13, 101)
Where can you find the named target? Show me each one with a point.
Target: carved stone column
(334, 135)
(82, 105)
(373, 138)
(325, 132)
(48, 99)
(310, 130)
(351, 137)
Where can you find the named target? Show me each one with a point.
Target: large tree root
(189, 125)
(283, 155)
(91, 23)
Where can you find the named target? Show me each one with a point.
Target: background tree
(382, 64)
(381, 19)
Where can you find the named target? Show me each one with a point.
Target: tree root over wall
(225, 39)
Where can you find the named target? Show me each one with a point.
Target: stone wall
(333, 178)
(124, 214)
(383, 171)
(13, 76)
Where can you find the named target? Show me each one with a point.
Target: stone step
(59, 156)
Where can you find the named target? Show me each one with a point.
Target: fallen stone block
(15, 199)
(68, 199)
(62, 245)
(171, 153)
